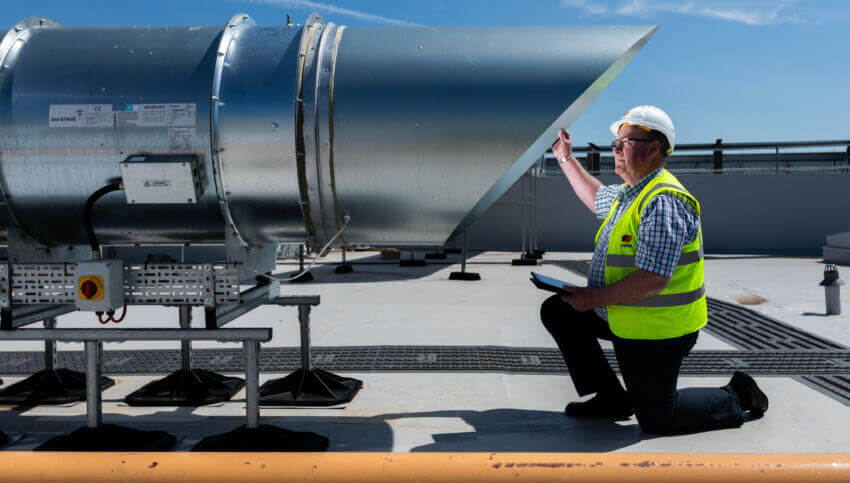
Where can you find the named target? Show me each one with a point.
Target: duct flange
(235, 23)
(13, 40)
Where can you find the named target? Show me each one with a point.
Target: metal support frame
(94, 339)
(463, 274)
(248, 300)
(13, 318)
(345, 266)
(94, 404)
(252, 383)
(50, 355)
(305, 276)
(304, 329)
(187, 386)
(527, 210)
(186, 345)
(51, 385)
(98, 436)
(308, 386)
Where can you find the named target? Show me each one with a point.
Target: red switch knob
(88, 289)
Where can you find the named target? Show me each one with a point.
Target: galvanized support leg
(186, 345)
(304, 322)
(252, 383)
(305, 277)
(344, 267)
(308, 386)
(50, 361)
(463, 274)
(94, 416)
(463, 254)
(527, 257)
(523, 205)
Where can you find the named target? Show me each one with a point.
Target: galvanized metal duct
(412, 132)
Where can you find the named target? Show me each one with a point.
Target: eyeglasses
(619, 144)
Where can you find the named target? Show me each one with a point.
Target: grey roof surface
(423, 409)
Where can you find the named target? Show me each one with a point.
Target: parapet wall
(741, 213)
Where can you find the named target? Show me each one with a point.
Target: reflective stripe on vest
(653, 190)
(673, 299)
(686, 258)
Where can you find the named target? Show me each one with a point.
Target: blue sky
(745, 70)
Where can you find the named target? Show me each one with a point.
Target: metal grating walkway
(834, 386)
(431, 358)
(752, 331)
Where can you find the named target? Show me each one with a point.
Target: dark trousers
(650, 369)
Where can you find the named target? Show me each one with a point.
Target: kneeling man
(645, 291)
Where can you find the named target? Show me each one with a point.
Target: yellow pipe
(468, 467)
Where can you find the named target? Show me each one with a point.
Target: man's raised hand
(563, 146)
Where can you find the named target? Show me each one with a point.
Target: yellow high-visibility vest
(677, 310)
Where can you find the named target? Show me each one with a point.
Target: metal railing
(719, 158)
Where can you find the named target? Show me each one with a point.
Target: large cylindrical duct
(410, 132)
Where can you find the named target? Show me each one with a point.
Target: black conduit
(95, 246)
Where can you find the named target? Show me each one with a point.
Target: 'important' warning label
(131, 115)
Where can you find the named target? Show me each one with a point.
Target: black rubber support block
(305, 277)
(468, 276)
(525, 261)
(187, 388)
(344, 268)
(4, 439)
(61, 386)
(309, 388)
(264, 437)
(110, 437)
(412, 263)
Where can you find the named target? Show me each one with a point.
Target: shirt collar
(628, 192)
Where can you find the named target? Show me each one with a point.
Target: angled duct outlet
(429, 126)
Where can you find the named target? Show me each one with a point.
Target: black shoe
(752, 398)
(601, 406)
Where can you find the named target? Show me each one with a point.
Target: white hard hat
(649, 117)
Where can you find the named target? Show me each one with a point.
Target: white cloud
(589, 7)
(749, 12)
(326, 7)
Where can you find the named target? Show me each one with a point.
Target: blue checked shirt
(668, 223)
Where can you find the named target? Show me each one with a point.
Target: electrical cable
(319, 255)
(119, 319)
(95, 245)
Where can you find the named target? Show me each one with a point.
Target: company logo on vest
(625, 241)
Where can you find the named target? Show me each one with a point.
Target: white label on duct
(181, 139)
(81, 115)
(133, 115)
